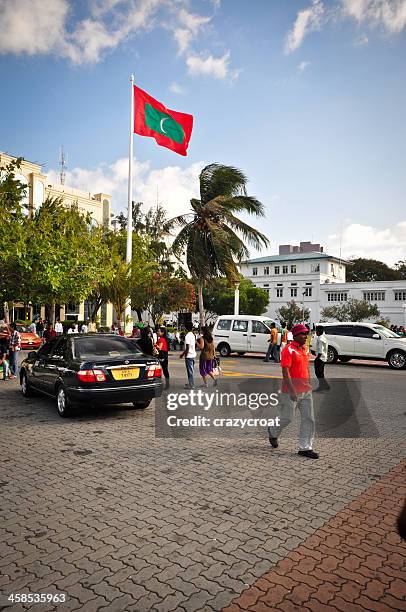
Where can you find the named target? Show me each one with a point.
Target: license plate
(126, 373)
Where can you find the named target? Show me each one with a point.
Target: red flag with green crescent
(169, 128)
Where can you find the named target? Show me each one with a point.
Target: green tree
(138, 218)
(212, 236)
(162, 293)
(400, 267)
(362, 270)
(293, 313)
(64, 255)
(352, 310)
(219, 298)
(13, 237)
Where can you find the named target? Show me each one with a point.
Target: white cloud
(390, 14)
(32, 26)
(303, 65)
(217, 67)
(176, 185)
(359, 240)
(361, 41)
(307, 20)
(177, 89)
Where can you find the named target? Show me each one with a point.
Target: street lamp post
(237, 299)
(404, 315)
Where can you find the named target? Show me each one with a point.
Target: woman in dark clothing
(163, 348)
(145, 342)
(206, 362)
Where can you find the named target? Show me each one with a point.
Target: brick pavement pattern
(356, 561)
(96, 507)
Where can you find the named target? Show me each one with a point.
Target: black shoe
(310, 454)
(273, 442)
(266, 360)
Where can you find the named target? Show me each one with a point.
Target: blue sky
(307, 97)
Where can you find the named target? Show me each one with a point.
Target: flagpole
(130, 188)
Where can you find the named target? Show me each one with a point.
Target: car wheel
(26, 388)
(332, 355)
(141, 405)
(224, 350)
(63, 404)
(397, 360)
(345, 359)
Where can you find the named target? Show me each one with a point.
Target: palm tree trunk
(201, 305)
(6, 312)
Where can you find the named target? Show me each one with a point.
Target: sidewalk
(356, 561)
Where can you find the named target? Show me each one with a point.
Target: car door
(368, 342)
(239, 335)
(54, 364)
(341, 337)
(37, 371)
(259, 335)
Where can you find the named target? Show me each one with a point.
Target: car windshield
(105, 346)
(387, 333)
(22, 329)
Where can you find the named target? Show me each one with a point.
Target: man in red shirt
(296, 392)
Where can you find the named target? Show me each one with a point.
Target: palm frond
(248, 204)
(219, 180)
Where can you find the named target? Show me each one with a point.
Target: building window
(276, 269)
(374, 296)
(254, 271)
(400, 296)
(266, 285)
(293, 269)
(315, 268)
(293, 292)
(279, 292)
(284, 269)
(308, 291)
(337, 297)
(266, 271)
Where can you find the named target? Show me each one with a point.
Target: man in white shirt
(321, 358)
(58, 327)
(190, 355)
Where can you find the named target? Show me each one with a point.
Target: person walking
(189, 354)
(284, 335)
(145, 342)
(33, 327)
(321, 358)
(84, 328)
(92, 327)
(14, 346)
(49, 333)
(162, 345)
(40, 328)
(4, 357)
(273, 348)
(296, 393)
(206, 360)
(58, 327)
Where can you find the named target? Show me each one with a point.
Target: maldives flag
(169, 128)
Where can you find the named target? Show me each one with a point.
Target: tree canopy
(352, 310)
(362, 270)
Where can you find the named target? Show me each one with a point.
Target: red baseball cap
(299, 328)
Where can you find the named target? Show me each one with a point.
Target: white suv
(242, 334)
(363, 341)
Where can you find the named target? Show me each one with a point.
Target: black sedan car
(91, 369)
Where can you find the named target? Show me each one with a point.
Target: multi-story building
(98, 205)
(315, 280)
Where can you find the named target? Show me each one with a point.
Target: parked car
(363, 341)
(92, 369)
(242, 334)
(29, 340)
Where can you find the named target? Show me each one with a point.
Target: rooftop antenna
(63, 165)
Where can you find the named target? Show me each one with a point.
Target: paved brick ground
(98, 508)
(356, 561)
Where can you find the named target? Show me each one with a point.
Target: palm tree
(212, 236)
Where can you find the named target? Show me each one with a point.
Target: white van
(363, 341)
(242, 334)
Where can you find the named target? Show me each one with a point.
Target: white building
(315, 280)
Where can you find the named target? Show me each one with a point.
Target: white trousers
(287, 407)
